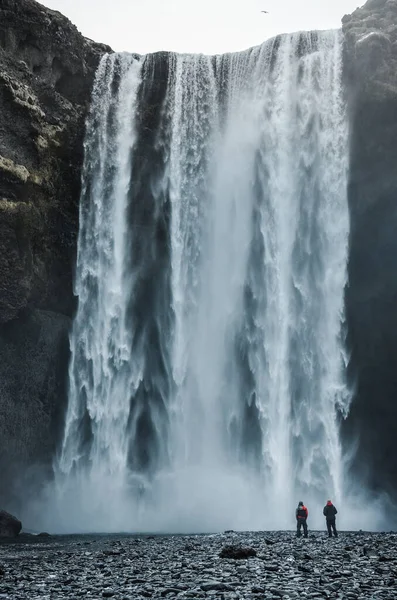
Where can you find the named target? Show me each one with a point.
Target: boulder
(10, 526)
(372, 49)
(237, 552)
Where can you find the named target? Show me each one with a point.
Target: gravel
(356, 566)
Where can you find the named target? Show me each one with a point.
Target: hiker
(329, 513)
(301, 514)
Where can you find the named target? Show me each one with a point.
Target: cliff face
(46, 74)
(371, 69)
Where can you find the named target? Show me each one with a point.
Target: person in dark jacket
(329, 513)
(301, 514)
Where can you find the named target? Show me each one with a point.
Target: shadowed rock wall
(46, 74)
(371, 69)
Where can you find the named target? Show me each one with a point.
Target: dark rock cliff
(46, 73)
(371, 69)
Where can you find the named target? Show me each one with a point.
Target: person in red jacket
(330, 512)
(301, 514)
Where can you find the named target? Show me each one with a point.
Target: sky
(207, 26)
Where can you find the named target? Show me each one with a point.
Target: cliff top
(49, 45)
(373, 23)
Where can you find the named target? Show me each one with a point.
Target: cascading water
(208, 366)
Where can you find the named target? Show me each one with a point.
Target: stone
(277, 592)
(370, 552)
(10, 526)
(213, 585)
(304, 569)
(237, 552)
(9, 169)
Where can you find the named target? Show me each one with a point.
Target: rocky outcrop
(10, 526)
(46, 73)
(236, 552)
(371, 76)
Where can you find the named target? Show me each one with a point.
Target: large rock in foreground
(237, 552)
(47, 69)
(10, 526)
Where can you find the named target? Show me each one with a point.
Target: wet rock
(370, 64)
(272, 568)
(383, 558)
(277, 592)
(212, 585)
(237, 552)
(370, 552)
(304, 569)
(269, 542)
(10, 526)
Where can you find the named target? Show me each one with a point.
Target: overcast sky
(208, 26)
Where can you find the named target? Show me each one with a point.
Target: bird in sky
(265, 11)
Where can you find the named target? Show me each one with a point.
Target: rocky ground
(353, 566)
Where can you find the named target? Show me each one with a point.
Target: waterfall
(207, 376)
